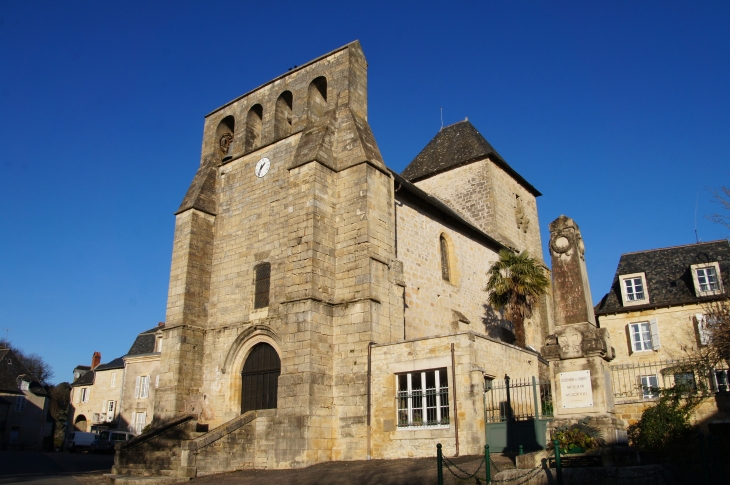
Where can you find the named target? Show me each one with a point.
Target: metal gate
(516, 413)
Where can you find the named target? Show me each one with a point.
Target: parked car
(106, 440)
(79, 441)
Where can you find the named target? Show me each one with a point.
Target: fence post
(558, 466)
(536, 400)
(488, 463)
(703, 457)
(439, 465)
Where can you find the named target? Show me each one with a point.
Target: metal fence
(641, 380)
(517, 399)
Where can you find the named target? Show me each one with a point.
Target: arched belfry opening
(254, 121)
(283, 115)
(224, 136)
(260, 378)
(317, 98)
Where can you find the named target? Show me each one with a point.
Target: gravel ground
(412, 471)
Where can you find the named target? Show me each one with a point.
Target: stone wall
(488, 197)
(435, 306)
(475, 356)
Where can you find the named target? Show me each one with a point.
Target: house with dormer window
(657, 315)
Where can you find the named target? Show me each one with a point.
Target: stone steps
(117, 479)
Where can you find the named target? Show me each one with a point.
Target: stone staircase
(177, 451)
(154, 457)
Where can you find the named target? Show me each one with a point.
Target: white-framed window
(138, 422)
(110, 407)
(633, 289)
(142, 387)
(113, 382)
(19, 404)
(85, 392)
(649, 386)
(158, 344)
(707, 279)
(644, 336)
(423, 398)
(24, 385)
(157, 381)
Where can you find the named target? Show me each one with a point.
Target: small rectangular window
(113, 380)
(641, 336)
(649, 386)
(19, 404)
(85, 394)
(634, 289)
(24, 385)
(262, 285)
(157, 381)
(685, 380)
(137, 383)
(707, 279)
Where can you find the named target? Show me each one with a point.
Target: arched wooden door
(260, 378)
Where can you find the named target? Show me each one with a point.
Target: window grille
(649, 386)
(262, 285)
(423, 399)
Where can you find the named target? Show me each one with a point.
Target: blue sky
(618, 112)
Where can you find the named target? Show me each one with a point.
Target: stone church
(323, 307)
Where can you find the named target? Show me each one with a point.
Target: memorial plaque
(575, 389)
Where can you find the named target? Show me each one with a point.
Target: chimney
(161, 324)
(95, 360)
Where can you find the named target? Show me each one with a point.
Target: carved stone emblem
(225, 142)
(565, 237)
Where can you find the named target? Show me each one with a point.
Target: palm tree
(515, 283)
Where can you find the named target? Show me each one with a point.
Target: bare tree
(721, 197)
(35, 364)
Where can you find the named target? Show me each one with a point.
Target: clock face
(262, 168)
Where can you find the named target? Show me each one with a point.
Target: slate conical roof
(453, 146)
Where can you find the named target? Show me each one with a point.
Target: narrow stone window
(224, 137)
(283, 115)
(445, 273)
(254, 121)
(262, 285)
(317, 98)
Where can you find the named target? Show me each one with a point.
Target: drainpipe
(370, 375)
(456, 407)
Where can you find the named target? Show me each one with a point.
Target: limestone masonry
(322, 307)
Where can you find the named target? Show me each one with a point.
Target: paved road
(30, 467)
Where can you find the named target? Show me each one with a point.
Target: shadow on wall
(496, 327)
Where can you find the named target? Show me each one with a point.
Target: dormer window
(24, 385)
(707, 279)
(634, 290)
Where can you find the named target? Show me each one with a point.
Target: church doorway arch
(260, 378)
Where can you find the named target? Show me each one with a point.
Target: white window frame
(113, 378)
(140, 420)
(410, 397)
(85, 391)
(144, 391)
(648, 333)
(625, 295)
(157, 381)
(646, 384)
(697, 279)
(20, 404)
(24, 385)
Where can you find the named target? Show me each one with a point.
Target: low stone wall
(715, 408)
